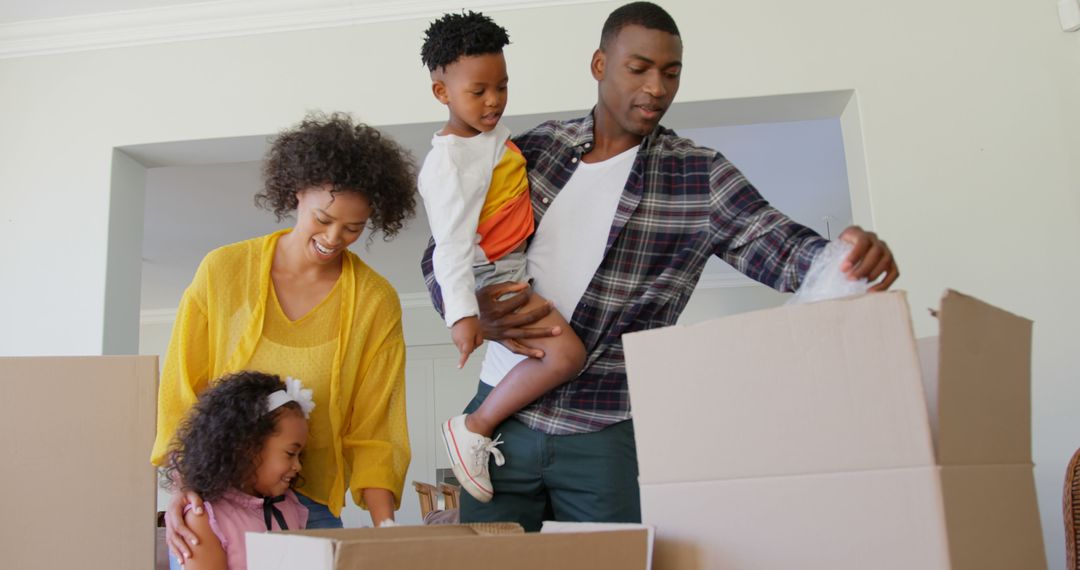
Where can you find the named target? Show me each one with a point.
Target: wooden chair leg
(451, 493)
(429, 497)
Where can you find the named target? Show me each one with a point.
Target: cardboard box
(477, 547)
(79, 490)
(803, 437)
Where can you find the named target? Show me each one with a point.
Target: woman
(297, 303)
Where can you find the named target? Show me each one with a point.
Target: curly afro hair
(217, 446)
(457, 35)
(349, 157)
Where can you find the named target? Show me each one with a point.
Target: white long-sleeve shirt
(455, 182)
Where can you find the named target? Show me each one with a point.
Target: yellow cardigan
(219, 323)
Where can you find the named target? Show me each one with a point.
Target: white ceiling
(204, 199)
(21, 10)
(40, 27)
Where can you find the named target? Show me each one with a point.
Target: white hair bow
(293, 392)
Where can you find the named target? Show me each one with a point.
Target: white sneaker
(469, 453)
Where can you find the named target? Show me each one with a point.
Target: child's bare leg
(564, 356)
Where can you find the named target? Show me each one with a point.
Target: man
(630, 214)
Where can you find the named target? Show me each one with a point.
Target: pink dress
(236, 513)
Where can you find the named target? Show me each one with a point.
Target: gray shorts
(510, 267)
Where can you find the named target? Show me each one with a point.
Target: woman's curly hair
(332, 150)
(218, 444)
(456, 35)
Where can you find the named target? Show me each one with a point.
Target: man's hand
(177, 533)
(500, 323)
(466, 336)
(870, 258)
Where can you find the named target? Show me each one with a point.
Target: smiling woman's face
(329, 222)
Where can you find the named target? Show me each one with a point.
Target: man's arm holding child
(499, 321)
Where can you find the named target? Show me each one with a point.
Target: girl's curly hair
(218, 444)
(349, 157)
(457, 35)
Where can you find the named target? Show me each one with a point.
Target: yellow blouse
(349, 350)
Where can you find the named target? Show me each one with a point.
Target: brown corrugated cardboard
(447, 546)
(801, 437)
(79, 487)
(984, 390)
(810, 388)
(991, 517)
(825, 521)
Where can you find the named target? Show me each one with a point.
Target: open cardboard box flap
(815, 388)
(805, 436)
(830, 386)
(478, 547)
(984, 387)
(78, 433)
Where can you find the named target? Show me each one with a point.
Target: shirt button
(545, 200)
(574, 160)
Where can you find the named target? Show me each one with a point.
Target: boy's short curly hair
(349, 157)
(456, 35)
(218, 444)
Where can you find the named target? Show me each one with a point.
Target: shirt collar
(583, 138)
(243, 499)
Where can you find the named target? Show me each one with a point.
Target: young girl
(239, 449)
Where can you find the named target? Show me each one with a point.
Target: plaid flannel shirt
(681, 204)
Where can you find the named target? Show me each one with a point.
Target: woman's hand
(211, 555)
(177, 534)
(380, 504)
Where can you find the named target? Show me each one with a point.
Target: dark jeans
(581, 477)
(319, 515)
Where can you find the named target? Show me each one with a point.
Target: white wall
(798, 167)
(124, 263)
(968, 110)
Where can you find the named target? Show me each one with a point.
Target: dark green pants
(583, 477)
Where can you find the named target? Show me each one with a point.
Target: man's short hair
(457, 35)
(644, 14)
